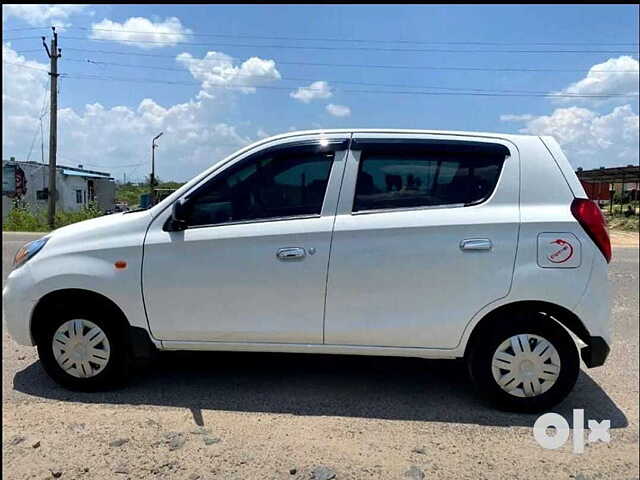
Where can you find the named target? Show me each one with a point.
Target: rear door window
(403, 176)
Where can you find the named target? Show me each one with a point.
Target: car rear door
(425, 235)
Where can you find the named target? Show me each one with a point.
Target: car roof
(397, 131)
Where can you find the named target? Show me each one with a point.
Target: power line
(115, 166)
(174, 69)
(19, 38)
(467, 91)
(137, 54)
(482, 69)
(381, 66)
(26, 28)
(24, 66)
(329, 39)
(342, 48)
(22, 52)
(41, 141)
(338, 82)
(354, 40)
(60, 125)
(272, 87)
(43, 113)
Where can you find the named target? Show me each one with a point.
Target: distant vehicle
(145, 200)
(118, 207)
(371, 242)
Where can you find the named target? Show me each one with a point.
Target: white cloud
(590, 139)
(516, 118)
(316, 90)
(611, 76)
(216, 69)
(139, 30)
(262, 133)
(40, 14)
(23, 91)
(338, 110)
(196, 133)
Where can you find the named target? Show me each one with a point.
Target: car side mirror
(178, 219)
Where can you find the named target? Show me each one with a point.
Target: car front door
(425, 236)
(252, 264)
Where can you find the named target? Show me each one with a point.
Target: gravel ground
(272, 416)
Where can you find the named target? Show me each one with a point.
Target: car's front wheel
(81, 350)
(529, 363)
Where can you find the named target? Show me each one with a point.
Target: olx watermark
(560, 435)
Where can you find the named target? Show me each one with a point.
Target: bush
(620, 222)
(85, 213)
(23, 219)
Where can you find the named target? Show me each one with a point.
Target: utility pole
(152, 179)
(54, 54)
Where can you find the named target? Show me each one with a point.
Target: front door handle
(476, 244)
(293, 253)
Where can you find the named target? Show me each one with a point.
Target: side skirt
(312, 348)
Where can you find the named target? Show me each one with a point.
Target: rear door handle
(293, 253)
(476, 244)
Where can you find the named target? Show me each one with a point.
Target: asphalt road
(245, 416)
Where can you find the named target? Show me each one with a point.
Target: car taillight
(589, 215)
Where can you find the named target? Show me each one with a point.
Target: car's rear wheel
(528, 363)
(82, 350)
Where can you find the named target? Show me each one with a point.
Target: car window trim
(258, 220)
(413, 209)
(437, 144)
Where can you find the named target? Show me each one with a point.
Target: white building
(76, 186)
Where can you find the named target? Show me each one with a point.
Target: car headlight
(28, 251)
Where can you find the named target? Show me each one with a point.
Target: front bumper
(18, 302)
(595, 353)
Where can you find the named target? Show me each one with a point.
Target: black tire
(116, 371)
(480, 355)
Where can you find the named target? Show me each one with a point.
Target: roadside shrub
(23, 219)
(85, 213)
(620, 222)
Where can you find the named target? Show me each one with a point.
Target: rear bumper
(595, 353)
(593, 309)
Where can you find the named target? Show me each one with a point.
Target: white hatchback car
(372, 242)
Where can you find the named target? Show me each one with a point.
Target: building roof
(630, 173)
(83, 173)
(75, 171)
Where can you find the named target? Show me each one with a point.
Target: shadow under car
(311, 384)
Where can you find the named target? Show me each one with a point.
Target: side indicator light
(120, 264)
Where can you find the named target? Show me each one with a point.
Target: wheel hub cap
(81, 348)
(525, 365)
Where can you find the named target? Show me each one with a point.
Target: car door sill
(311, 348)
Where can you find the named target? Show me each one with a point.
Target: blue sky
(593, 131)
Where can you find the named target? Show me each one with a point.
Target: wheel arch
(60, 298)
(557, 313)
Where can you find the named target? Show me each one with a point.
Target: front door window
(286, 183)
